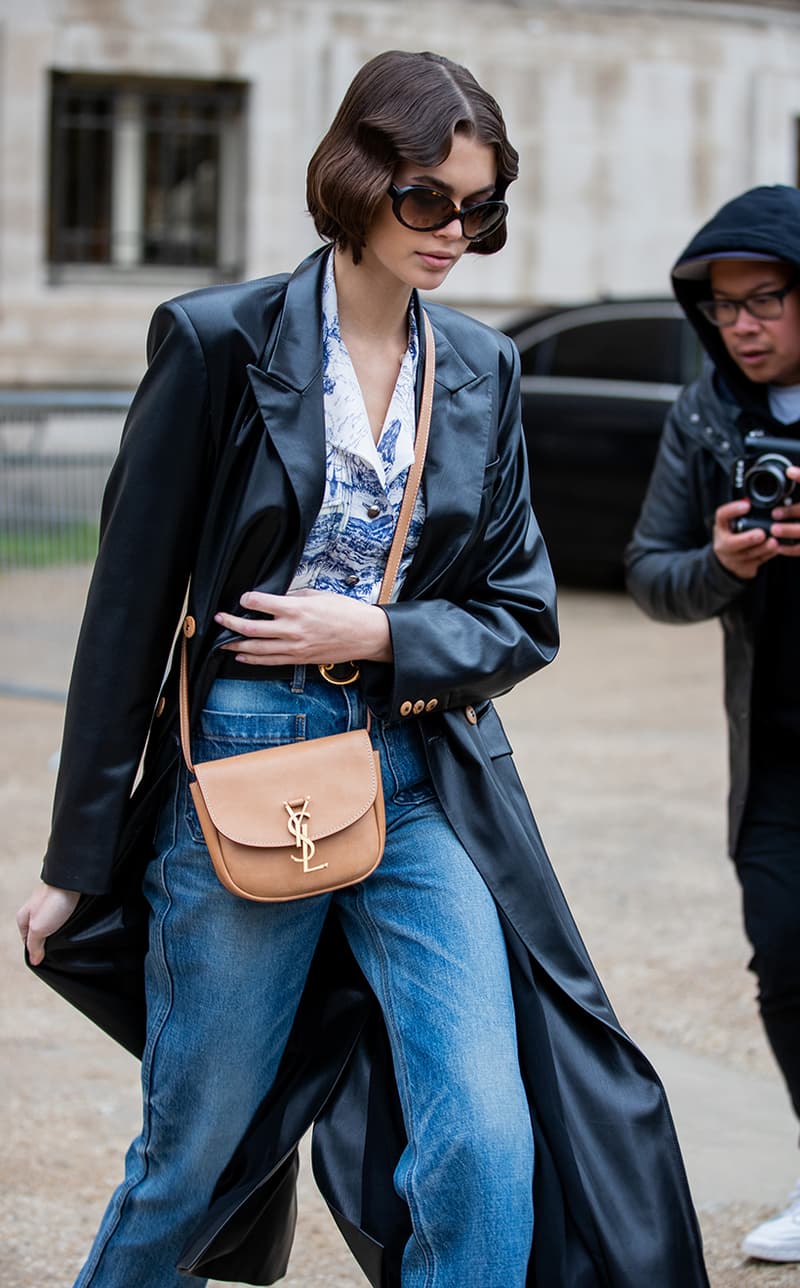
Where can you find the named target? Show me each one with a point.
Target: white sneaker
(779, 1238)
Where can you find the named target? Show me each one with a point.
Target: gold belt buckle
(326, 671)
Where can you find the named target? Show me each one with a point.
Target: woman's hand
(308, 627)
(41, 915)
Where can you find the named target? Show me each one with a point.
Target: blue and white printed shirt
(348, 545)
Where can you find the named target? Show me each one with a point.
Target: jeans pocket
(225, 733)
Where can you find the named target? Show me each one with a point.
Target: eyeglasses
(764, 305)
(424, 210)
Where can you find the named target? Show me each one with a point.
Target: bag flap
(327, 783)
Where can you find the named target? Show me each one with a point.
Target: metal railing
(56, 449)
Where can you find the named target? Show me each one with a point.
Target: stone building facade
(146, 149)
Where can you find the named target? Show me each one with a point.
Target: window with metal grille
(146, 173)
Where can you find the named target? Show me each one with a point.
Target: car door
(596, 385)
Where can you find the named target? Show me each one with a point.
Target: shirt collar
(346, 423)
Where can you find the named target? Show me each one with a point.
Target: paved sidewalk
(621, 746)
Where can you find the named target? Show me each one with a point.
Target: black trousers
(768, 866)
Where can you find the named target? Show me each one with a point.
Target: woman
(441, 1016)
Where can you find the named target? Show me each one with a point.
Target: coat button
(189, 626)
(432, 704)
(419, 707)
(162, 702)
(406, 708)
(469, 712)
(373, 511)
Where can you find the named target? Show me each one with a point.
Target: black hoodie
(764, 221)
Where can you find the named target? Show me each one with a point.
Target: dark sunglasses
(767, 306)
(424, 210)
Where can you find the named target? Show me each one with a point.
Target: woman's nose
(454, 230)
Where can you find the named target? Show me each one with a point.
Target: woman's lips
(434, 260)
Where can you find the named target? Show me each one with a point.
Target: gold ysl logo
(299, 814)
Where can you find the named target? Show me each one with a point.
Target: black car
(597, 381)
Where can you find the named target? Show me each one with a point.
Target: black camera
(761, 476)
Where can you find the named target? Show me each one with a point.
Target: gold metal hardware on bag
(299, 814)
(326, 671)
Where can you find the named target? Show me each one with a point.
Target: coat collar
(287, 386)
(294, 357)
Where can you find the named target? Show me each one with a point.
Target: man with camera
(719, 535)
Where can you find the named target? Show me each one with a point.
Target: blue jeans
(224, 977)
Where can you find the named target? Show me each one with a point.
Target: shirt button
(405, 709)
(419, 707)
(373, 511)
(432, 704)
(352, 580)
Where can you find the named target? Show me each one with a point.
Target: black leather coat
(219, 477)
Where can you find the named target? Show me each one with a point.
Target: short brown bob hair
(400, 107)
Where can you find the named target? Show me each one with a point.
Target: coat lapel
(287, 386)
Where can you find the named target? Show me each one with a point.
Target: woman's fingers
(306, 628)
(41, 915)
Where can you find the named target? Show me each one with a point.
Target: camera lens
(766, 483)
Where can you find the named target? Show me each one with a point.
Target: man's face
(767, 351)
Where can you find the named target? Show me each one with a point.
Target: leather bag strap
(415, 470)
(396, 549)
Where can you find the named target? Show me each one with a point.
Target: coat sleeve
(498, 628)
(670, 566)
(148, 532)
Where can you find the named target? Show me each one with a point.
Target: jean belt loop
(298, 683)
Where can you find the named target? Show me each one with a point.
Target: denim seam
(402, 1070)
(390, 765)
(148, 1060)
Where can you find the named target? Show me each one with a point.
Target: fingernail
(218, 617)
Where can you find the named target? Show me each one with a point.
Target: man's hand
(43, 913)
(742, 553)
(787, 527)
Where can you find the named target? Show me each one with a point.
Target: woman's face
(423, 259)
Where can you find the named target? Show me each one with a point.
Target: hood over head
(762, 223)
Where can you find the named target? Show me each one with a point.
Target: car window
(619, 349)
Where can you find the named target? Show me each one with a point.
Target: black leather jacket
(671, 569)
